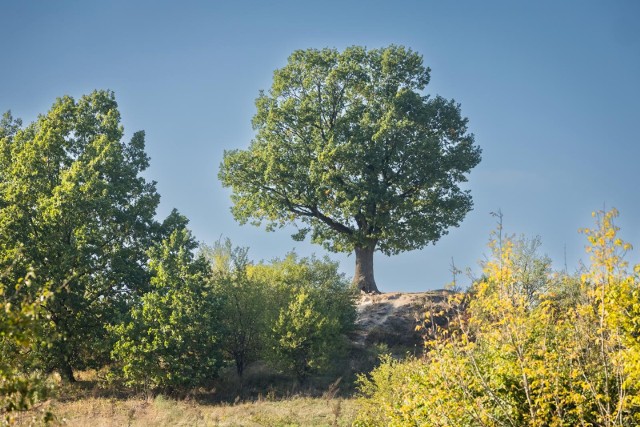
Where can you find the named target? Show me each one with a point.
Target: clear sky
(551, 89)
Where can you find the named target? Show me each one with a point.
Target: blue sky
(550, 88)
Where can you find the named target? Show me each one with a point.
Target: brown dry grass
(161, 411)
(93, 403)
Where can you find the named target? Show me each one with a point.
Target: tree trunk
(239, 358)
(363, 277)
(66, 371)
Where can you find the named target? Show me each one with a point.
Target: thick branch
(330, 222)
(310, 211)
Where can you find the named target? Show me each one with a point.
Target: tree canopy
(76, 210)
(348, 148)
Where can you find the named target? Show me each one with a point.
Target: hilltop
(391, 318)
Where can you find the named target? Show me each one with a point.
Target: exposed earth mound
(391, 318)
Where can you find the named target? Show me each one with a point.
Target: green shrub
(316, 310)
(171, 341)
(245, 305)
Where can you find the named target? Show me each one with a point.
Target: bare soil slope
(391, 318)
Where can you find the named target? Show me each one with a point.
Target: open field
(161, 411)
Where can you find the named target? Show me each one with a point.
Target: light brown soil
(391, 318)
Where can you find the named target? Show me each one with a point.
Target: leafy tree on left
(74, 207)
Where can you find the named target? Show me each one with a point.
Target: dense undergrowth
(526, 346)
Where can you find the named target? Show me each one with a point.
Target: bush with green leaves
(245, 305)
(172, 339)
(291, 313)
(314, 309)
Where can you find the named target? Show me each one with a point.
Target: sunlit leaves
(22, 317)
(311, 308)
(171, 340)
(349, 148)
(77, 210)
(562, 352)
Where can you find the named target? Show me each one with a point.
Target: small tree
(293, 313)
(348, 147)
(244, 310)
(172, 338)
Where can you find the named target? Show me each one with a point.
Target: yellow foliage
(542, 350)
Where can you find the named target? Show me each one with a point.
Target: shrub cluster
(109, 287)
(22, 385)
(527, 346)
(217, 307)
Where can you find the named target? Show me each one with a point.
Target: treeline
(525, 346)
(89, 279)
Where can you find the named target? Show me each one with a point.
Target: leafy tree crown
(347, 147)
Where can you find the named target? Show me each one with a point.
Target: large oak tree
(348, 147)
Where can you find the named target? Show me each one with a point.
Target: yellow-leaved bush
(23, 385)
(525, 346)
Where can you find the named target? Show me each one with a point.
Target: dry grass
(160, 411)
(94, 403)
